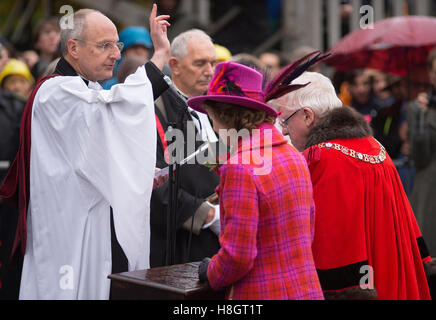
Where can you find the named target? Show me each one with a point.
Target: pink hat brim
(196, 103)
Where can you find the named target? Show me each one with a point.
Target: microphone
(173, 89)
(177, 95)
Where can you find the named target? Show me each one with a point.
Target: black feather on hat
(281, 84)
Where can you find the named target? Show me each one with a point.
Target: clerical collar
(63, 68)
(184, 96)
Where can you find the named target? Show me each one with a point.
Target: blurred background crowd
(392, 84)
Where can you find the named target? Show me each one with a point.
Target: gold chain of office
(356, 155)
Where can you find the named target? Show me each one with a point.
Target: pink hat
(237, 84)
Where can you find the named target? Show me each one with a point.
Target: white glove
(214, 225)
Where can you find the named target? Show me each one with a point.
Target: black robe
(197, 182)
(11, 109)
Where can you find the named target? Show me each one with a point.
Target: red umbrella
(395, 45)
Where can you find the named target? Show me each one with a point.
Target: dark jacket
(11, 109)
(197, 183)
(422, 139)
(386, 127)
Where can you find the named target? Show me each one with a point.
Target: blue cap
(136, 36)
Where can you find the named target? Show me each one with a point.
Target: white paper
(164, 171)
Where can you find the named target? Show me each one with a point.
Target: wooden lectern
(177, 282)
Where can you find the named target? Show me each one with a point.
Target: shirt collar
(184, 96)
(64, 68)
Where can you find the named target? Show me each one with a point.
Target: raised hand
(159, 36)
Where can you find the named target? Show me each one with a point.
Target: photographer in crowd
(422, 138)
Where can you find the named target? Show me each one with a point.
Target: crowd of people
(345, 210)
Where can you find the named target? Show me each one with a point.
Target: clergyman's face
(95, 61)
(193, 74)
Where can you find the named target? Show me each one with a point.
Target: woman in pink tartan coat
(266, 201)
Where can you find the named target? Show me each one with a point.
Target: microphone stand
(169, 256)
(174, 176)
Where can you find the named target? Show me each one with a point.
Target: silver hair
(319, 95)
(179, 43)
(76, 32)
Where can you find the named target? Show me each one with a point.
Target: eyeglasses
(283, 123)
(106, 46)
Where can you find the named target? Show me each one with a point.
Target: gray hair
(179, 43)
(76, 32)
(319, 95)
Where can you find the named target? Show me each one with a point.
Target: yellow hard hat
(222, 53)
(15, 66)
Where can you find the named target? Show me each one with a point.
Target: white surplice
(91, 149)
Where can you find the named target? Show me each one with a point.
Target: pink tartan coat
(267, 223)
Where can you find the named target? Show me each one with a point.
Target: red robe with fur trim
(366, 235)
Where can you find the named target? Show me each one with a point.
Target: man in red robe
(367, 243)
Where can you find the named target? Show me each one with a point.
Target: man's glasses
(283, 123)
(106, 46)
